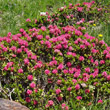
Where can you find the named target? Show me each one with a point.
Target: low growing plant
(55, 67)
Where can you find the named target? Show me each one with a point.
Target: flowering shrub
(70, 64)
(83, 14)
(52, 65)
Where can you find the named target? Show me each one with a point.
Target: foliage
(57, 66)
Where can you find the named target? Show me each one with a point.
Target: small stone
(11, 105)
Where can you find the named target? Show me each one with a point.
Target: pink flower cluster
(56, 61)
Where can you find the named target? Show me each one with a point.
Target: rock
(11, 105)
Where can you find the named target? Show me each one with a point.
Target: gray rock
(11, 105)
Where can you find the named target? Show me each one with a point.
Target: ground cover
(54, 62)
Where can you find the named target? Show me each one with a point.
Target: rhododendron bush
(83, 14)
(54, 65)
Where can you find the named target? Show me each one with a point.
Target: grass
(13, 13)
(101, 29)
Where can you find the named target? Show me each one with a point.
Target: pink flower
(69, 88)
(108, 77)
(8, 40)
(85, 79)
(82, 46)
(74, 81)
(65, 71)
(35, 20)
(50, 103)
(77, 4)
(107, 55)
(49, 80)
(76, 42)
(78, 33)
(68, 64)
(70, 48)
(99, 9)
(51, 63)
(47, 37)
(87, 69)
(87, 4)
(4, 49)
(33, 57)
(95, 83)
(48, 44)
(52, 31)
(53, 58)
(55, 62)
(80, 9)
(26, 50)
(54, 71)
(35, 90)
(59, 46)
(87, 91)
(69, 53)
(29, 92)
(60, 67)
(56, 50)
(43, 28)
(66, 108)
(28, 20)
(58, 91)
(29, 38)
(47, 71)
(19, 35)
(35, 102)
(102, 62)
(102, 42)
(20, 70)
(58, 82)
(12, 68)
(81, 58)
(96, 63)
(65, 46)
(19, 51)
(77, 87)
(71, 15)
(47, 106)
(9, 64)
(59, 98)
(92, 60)
(9, 34)
(24, 33)
(105, 52)
(39, 65)
(78, 97)
(32, 85)
(13, 48)
(76, 74)
(21, 30)
(5, 68)
(71, 70)
(92, 2)
(104, 74)
(26, 61)
(89, 103)
(30, 77)
(100, 101)
(28, 99)
(63, 105)
(39, 37)
(68, 17)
